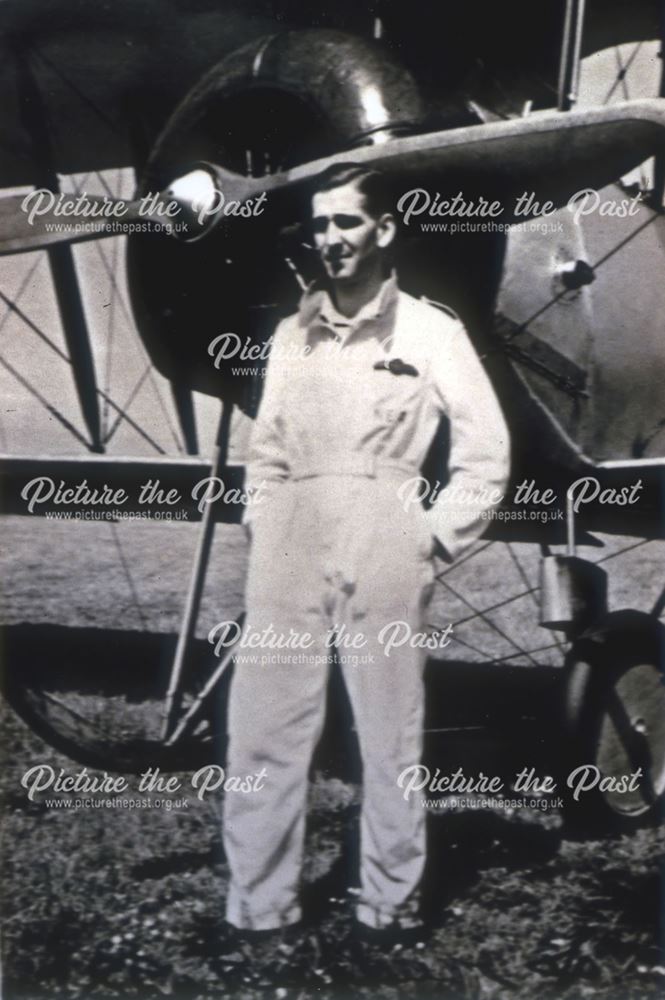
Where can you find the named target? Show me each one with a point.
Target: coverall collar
(318, 314)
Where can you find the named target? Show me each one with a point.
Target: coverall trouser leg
(369, 574)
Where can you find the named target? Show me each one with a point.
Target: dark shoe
(264, 959)
(395, 935)
(393, 953)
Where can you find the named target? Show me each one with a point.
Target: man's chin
(341, 275)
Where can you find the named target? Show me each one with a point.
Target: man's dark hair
(373, 184)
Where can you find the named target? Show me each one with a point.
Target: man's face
(348, 239)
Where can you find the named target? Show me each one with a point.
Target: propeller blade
(21, 231)
(555, 154)
(551, 153)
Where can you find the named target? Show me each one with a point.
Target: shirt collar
(318, 314)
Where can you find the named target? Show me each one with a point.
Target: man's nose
(332, 235)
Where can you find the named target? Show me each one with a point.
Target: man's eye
(347, 221)
(341, 221)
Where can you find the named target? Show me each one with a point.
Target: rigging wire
(100, 392)
(18, 295)
(524, 577)
(523, 327)
(128, 576)
(117, 297)
(49, 64)
(51, 409)
(488, 621)
(79, 93)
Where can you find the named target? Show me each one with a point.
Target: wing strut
(61, 262)
(571, 47)
(659, 162)
(197, 579)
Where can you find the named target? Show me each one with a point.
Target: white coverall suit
(336, 435)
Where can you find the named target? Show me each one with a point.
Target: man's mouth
(336, 261)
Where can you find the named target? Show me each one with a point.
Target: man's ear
(386, 228)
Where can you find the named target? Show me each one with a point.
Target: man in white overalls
(357, 383)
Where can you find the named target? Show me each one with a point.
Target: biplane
(211, 105)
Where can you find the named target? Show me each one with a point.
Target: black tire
(82, 740)
(614, 718)
(110, 717)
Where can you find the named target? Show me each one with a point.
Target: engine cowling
(281, 100)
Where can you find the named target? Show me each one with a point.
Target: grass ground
(128, 903)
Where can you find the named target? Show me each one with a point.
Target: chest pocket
(397, 393)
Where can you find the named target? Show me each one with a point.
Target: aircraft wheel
(106, 727)
(614, 716)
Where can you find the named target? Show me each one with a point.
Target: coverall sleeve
(479, 460)
(267, 464)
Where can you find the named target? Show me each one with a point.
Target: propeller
(551, 153)
(42, 218)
